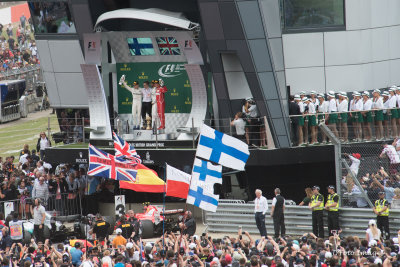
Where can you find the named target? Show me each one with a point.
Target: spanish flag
(147, 180)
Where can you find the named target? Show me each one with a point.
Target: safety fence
(64, 204)
(253, 131)
(31, 73)
(231, 215)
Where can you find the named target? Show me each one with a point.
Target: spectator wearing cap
(260, 209)
(357, 107)
(119, 240)
(322, 110)
(355, 162)
(377, 106)
(332, 116)
(392, 111)
(394, 158)
(317, 206)
(388, 189)
(312, 120)
(343, 109)
(278, 213)
(367, 115)
(381, 209)
(314, 99)
(372, 233)
(332, 206)
(294, 111)
(386, 116)
(300, 120)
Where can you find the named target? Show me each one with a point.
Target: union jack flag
(124, 150)
(106, 165)
(168, 46)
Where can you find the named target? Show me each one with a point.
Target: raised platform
(147, 135)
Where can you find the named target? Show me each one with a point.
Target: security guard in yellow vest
(317, 207)
(332, 206)
(381, 210)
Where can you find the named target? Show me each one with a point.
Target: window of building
(308, 15)
(51, 17)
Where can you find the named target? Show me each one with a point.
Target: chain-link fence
(371, 168)
(31, 73)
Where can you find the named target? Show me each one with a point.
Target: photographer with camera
(250, 110)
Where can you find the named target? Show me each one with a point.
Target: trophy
(161, 81)
(148, 123)
(122, 79)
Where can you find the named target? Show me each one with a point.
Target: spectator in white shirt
(343, 107)
(390, 152)
(357, 106)
(260, 209)
(355, 163)
(367, 115)
(393, 110)
(239, 124)
(377, 105)
(42, 143)
(332, 116)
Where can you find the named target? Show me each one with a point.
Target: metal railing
(229, 216)
(31, 73)
(349, 127)
(65, 204)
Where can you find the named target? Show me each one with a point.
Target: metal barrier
(65, 204)
(229, 216)
(31, 73)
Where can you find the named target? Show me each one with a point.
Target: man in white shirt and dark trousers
(260, 209)
(146, 103)
(278, 213)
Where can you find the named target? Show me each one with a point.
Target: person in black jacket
(278, 213)
(294, 109)
(43, 143)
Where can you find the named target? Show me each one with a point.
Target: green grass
(13, 137)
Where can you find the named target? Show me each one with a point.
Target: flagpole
(163, 224)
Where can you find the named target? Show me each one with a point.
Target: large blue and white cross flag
(201, 191)
(222, 148)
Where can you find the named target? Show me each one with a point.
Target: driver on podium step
(136, 101)
(160, 98)
(154, 118)
(146, 103)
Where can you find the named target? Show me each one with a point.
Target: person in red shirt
(161, 89)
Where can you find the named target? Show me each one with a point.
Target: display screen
(140, 46)
(51, 17)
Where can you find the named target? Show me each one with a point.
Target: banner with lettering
(178, 99)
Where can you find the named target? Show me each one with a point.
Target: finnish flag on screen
(201, 191)
(222, 149)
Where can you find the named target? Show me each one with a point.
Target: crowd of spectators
(366, 117)
(17, 46)
(176, 249)
(60, 188)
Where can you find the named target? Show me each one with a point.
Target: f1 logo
(91, 45)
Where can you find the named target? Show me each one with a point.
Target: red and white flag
(177, 183)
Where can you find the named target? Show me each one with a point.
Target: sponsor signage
(178, 99)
